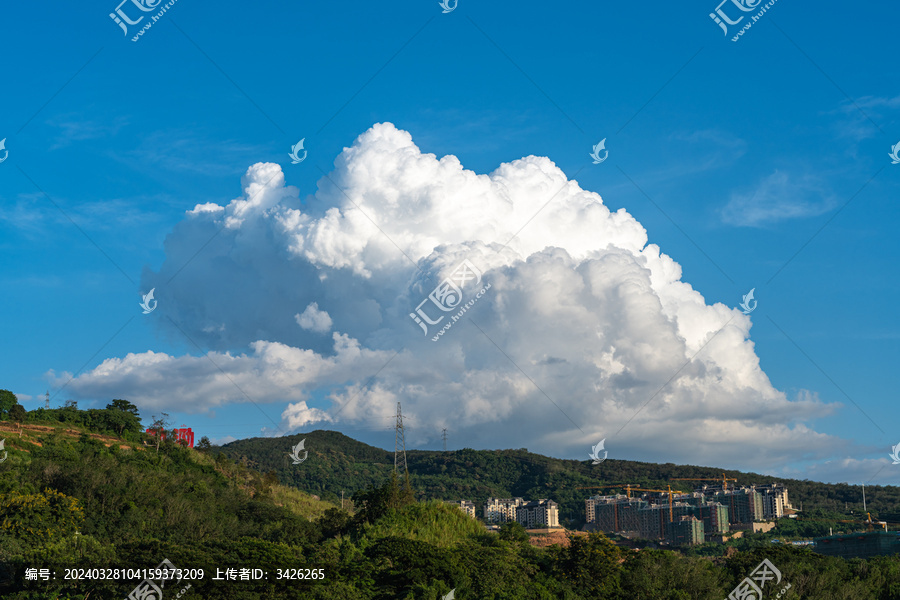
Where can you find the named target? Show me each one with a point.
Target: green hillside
(337, 462)
(88, 490)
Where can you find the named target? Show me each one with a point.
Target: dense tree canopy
(7, 401)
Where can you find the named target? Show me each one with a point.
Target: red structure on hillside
(183, 435)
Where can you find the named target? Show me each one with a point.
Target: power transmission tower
(47, 399)
(400, 448)
(444, 435)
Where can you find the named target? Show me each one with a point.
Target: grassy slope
(20, 442)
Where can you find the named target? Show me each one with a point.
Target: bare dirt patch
(554, 537)
(107, 440)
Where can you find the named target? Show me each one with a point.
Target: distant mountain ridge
(338, 463)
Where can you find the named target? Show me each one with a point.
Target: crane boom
(723, 479)
(668, 491)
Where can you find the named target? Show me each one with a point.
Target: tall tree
(159, 427)
(122, 415)
(7, 401)
(124, 405)
(17, 413)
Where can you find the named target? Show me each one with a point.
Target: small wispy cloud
(25, 214)
(861, 118)
(778, 197)
(176, 152)
(32, 215)
(75, 129)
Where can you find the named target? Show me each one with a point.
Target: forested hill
(336, 462)
(89, 493)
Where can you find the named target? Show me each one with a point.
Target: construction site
(712, 512)
(719, 511)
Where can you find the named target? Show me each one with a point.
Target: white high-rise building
(467, 506)
(501, 510)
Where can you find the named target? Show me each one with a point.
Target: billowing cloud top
(581, 325)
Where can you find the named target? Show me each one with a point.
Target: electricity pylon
(400, 448)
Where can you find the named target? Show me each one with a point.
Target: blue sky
(761, 163)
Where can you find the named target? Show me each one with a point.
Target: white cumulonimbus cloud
(586, 331)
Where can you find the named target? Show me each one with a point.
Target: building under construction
(644, 518)
(686, 518)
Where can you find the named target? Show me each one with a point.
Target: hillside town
(711, 513)
(707, 514)
(533, 514)
(683, 519)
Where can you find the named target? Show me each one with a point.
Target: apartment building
(501, 510)
(538, 513)
(589, 512)
(686, 531)
(774, 500)
(616, 513)
(652, 520)
(714, 516)
(718, 510)
(751, 503)
(745, 505)
(467, 506)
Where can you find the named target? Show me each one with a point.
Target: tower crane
(668, 491)
(626, 486)
(723, 479)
